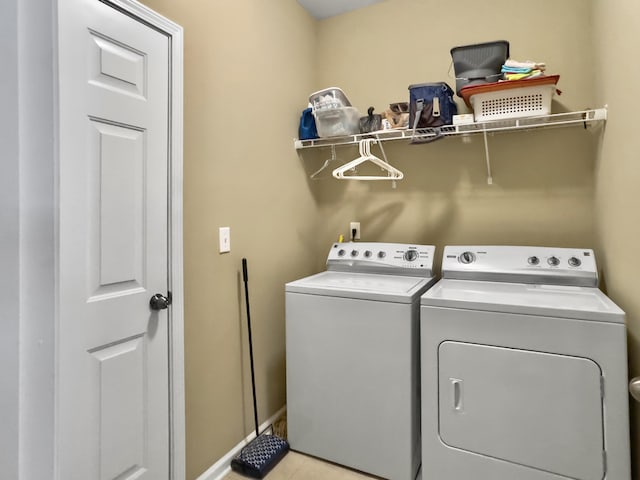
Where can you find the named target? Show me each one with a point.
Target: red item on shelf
(467, 92)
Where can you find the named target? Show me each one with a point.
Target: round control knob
(382, 254)
(533, 260)
(467, 257)
(553, 261)
(354, 253)
(341, 252)
(575, 262)
(368, 253)
(410, 255)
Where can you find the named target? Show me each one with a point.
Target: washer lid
(584, 303)
(389, 288)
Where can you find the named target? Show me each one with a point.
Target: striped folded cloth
(522, 76)
(515, 70)
(528, 65)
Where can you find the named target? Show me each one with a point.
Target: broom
(262, 453)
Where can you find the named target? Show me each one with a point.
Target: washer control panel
(539, 265)
(386, 258)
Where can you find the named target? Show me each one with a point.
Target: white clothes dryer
(353, 354)
(524, 368)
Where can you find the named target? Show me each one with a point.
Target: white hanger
(326, 163)
(367, 156)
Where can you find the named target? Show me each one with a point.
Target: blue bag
(307, 130)
(431, 106)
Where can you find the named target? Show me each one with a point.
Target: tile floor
(296, 466)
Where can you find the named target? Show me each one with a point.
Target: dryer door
(535, 409)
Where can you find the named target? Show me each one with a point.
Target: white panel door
(113, 371)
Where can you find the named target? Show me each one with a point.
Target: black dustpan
(265, 451)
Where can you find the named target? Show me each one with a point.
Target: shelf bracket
(486, 154)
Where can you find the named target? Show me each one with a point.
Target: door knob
(160, 302)
(634, 388)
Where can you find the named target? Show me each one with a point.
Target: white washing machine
(353, 357)
(524, 368)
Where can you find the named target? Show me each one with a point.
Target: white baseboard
(219, 469)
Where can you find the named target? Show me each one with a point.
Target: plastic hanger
(326, 163)
(367, 156)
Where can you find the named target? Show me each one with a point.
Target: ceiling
(328, 8)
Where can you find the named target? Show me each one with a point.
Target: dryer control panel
(539, 265)
(384, 258)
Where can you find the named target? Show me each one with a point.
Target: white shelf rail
(584, 117)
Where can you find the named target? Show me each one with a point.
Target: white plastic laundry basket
(513, 103)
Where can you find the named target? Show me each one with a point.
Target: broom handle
(245, 277)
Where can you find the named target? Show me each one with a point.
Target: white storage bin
(514, 103)
(336, 122)
(329, 98)
(511, 99)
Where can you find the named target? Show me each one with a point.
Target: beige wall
(247, 65)
(265, 58)
(543, 181)
(618, 170)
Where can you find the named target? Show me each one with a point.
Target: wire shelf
(583, 118)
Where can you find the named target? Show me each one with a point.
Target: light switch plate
(225, 239)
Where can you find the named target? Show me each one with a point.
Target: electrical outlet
(225, 239)
(354, 231)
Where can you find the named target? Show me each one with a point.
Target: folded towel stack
(515, 70)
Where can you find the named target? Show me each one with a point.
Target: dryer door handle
(456, 394)
(634, 388)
